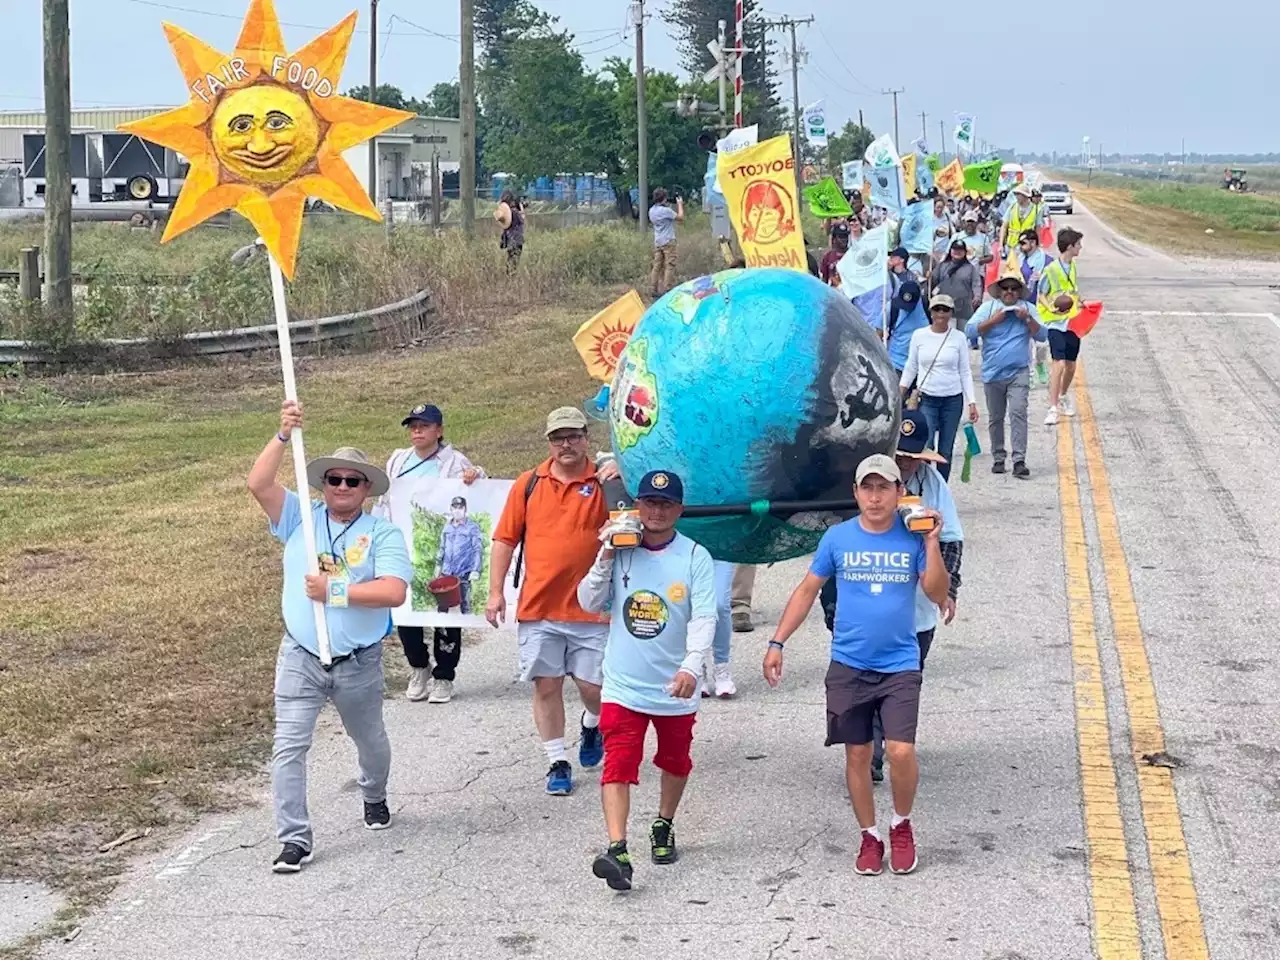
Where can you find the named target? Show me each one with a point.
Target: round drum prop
(754, 385)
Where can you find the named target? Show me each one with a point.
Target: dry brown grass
(139, 590)
(1174, 230)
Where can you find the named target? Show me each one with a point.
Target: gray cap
(878, 465)
(566, 418)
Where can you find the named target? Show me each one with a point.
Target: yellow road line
(1176, 899)
(1115, 922)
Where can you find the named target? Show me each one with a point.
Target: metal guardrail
(410, 312)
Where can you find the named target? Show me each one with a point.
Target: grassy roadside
(1176, 217)
(139, 590)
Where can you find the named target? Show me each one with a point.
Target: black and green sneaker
(662, 841)
(614, 866)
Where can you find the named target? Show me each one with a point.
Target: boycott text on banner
(448, 526)
(759, 185)
(732, 142)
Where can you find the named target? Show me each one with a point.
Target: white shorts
(553, 648)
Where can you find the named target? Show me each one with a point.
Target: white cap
(878, 465)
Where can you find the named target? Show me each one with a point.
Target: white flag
(815, 124)
(964, 131)
(735, 140)
(882, 152)
(864, 267)
(852, 175)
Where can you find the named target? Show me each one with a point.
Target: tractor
(1234, 180)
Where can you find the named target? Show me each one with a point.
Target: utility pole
(373, 97)
(57, 163)
(786, 23)
(942, 138)
(724, 76)
(924, 130)
(642, 123)
(894, 94)
(467, 96)
(860, 123)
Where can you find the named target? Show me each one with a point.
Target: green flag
(933, 162)
(983, 177)
(826, 199)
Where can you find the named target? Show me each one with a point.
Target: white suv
(1057, 197)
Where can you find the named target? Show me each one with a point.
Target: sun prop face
(265, 129)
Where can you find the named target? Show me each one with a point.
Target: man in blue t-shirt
(364, 573)
(662, 601)
(875, 656)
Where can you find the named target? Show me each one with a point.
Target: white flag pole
(299, 453)
(888, 292)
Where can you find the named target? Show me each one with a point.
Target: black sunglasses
(351, 482)
(941, 309)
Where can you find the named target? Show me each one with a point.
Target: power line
(284, 23)
(840, 60)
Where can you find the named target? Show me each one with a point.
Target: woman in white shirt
(938, 372)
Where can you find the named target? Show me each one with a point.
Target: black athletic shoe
(291, 859)
(998, 466)
(1020, 470)
(662, 841)
(377, 816)
(614, 867)
(877, 772)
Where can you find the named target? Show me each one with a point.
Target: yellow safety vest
(1059, 280)
(1017, 225)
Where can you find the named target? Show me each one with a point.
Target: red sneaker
(871, 857)
(902, 848)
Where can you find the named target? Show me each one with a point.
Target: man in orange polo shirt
(556, 510)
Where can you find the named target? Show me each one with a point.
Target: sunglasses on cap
(351, 482)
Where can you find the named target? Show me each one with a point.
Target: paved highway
(1118, 604)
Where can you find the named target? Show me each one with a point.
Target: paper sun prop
(265, 129)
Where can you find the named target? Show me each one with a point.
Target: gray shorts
(553, 648)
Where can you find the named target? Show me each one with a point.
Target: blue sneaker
(560, 779)
(591, 747)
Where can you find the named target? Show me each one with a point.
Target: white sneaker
(441, 691)
(1068, 405)
(708, 673)
(1051, 417)
(419, 683)
(724, 681)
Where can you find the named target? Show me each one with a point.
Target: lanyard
(418, 464)
(333, 549)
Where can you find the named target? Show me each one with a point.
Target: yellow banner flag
(950, 179)
(759, 185)
(601, 339)
(909, 174)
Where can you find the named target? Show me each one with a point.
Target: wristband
(775, 645)
(282, 437)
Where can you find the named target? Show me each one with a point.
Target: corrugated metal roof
(95, 118)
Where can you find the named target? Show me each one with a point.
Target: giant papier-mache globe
(754, 385)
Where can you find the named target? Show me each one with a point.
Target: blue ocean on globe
(753, 385)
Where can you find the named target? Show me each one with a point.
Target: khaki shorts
(855, 696)
(552, 648)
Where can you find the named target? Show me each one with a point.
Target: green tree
(849, 144)
(387, 96)
(444, 100)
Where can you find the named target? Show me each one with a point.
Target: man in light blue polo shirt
(1007, 325)
(364, 574)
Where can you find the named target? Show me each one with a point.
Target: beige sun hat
(1011, 271)
(348, 458)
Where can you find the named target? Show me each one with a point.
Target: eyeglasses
(351, 482)
(566, 441)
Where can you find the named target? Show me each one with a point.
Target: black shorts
(1063, 345)
(855, 696)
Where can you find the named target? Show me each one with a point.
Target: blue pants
(724, 611)
(943, 416)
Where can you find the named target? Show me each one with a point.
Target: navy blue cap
(426, 412)
(908, 294)
(661, 485)
(900, 253)
(913, 438)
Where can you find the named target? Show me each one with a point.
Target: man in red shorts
(662, 599)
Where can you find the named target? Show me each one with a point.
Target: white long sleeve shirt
(946, 376)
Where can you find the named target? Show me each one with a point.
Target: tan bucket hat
(348, 458)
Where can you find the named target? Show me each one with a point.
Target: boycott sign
(759, 185)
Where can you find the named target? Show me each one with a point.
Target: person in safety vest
(1058, 303)
(1022, 215)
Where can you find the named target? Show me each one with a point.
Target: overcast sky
(1134, 75)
